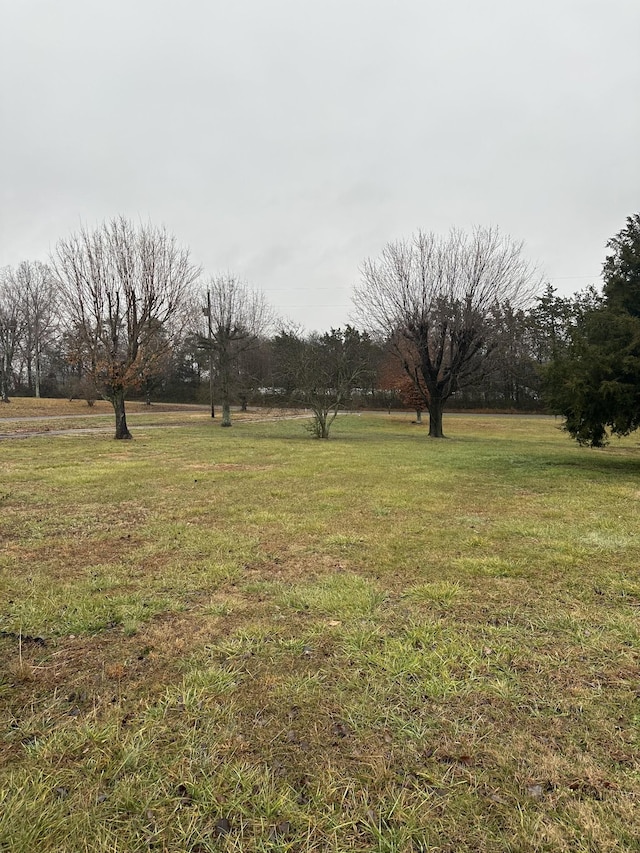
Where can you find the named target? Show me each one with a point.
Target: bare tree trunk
(324, 427)
(436, 406)
(29, 373)
(209, 341)
(224, 368)
(213, 408)
(418, 416)
(321, 423)
(37, 373)
(122, 431)
(4, 387)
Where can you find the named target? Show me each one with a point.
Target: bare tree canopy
(434, 299)
(38, 294)
(237, 316)
(321, 372)
(124, 288)
(11, 328)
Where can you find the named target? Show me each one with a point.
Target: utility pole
(210, 335)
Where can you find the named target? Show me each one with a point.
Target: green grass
(248, 640)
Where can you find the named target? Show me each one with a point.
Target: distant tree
(255, 372)
(124, 288)
(550, 321)
(236, 318)
(412, 396)
(11, 329)
(321, 372)
(594, 381)
(511, 379)
(182, 381)
(38, 296)
(75, 364)
(435, 300)
(394, 379)
(154, 373)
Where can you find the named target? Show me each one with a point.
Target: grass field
(247, 640)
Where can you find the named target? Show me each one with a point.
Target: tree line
(461, 320)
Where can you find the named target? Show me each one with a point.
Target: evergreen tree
(595, 381)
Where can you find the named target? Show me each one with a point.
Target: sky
(286, 141)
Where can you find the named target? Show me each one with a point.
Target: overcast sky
(288, 140)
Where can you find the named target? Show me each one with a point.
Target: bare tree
(11, 328)
(434, 300)
(321, 372)
(124, 289)
(237, 316)
(38, 304)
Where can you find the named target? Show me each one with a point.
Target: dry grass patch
(31, 407)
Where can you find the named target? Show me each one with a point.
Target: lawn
(248, 640)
